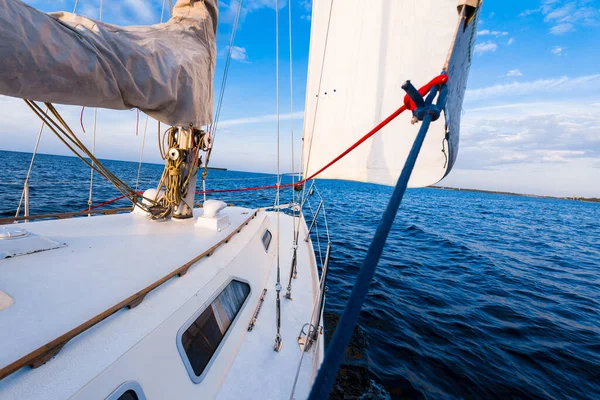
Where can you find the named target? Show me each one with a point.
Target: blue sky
(531, 120)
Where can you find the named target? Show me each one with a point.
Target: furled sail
(361, 52)
(165, 70)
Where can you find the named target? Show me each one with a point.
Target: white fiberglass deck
(109, 258)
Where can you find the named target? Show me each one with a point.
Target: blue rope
(426, 112)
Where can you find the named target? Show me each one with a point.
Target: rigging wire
(295, 219)
(90, 199)
(291, 99)
(137, 180)
(278, 341)
(37, 143)
(90, 202)
(213, 128)
(162, 11)
(66, 135)
(314, 121)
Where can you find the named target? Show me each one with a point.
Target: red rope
(408, 104)
(105, 203)
(108, 202)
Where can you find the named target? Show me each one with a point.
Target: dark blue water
(477, 295)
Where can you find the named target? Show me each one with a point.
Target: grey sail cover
(165, 70)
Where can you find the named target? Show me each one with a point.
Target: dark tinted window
(266, 239)
(202, 338)
(128, 395)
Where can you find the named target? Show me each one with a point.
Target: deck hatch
(202, 337)
(18, 242)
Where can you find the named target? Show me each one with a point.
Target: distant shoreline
(586, 199)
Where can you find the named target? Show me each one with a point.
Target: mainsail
(360, 55)
(165, 70)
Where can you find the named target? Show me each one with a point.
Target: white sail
(165, 70)
(361, 53)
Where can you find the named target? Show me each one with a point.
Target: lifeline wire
(137, 180)
(37, 143)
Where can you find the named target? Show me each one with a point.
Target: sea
(477, 295)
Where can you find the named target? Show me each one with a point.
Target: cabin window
(266, 239)
(202, 337)
(128, 395)
(128, 391)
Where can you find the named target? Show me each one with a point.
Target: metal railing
(310, 332)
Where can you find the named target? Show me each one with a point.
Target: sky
(531, 116)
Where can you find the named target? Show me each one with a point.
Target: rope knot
(421, 107)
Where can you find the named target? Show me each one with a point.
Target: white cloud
(511, 41)
(487, 32)
(239, 54)
(485, 47)
(561, 29)
(514, 73)
(537, 87)
(261, 119)
(228, 11)
(548, 147)
(557, 50)
(566, 17)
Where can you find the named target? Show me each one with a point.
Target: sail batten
(165, 70)
(361, 53)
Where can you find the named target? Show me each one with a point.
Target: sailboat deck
(110, 257)
(105, 261)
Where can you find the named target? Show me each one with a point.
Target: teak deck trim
(64, 215)
(44, 353)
